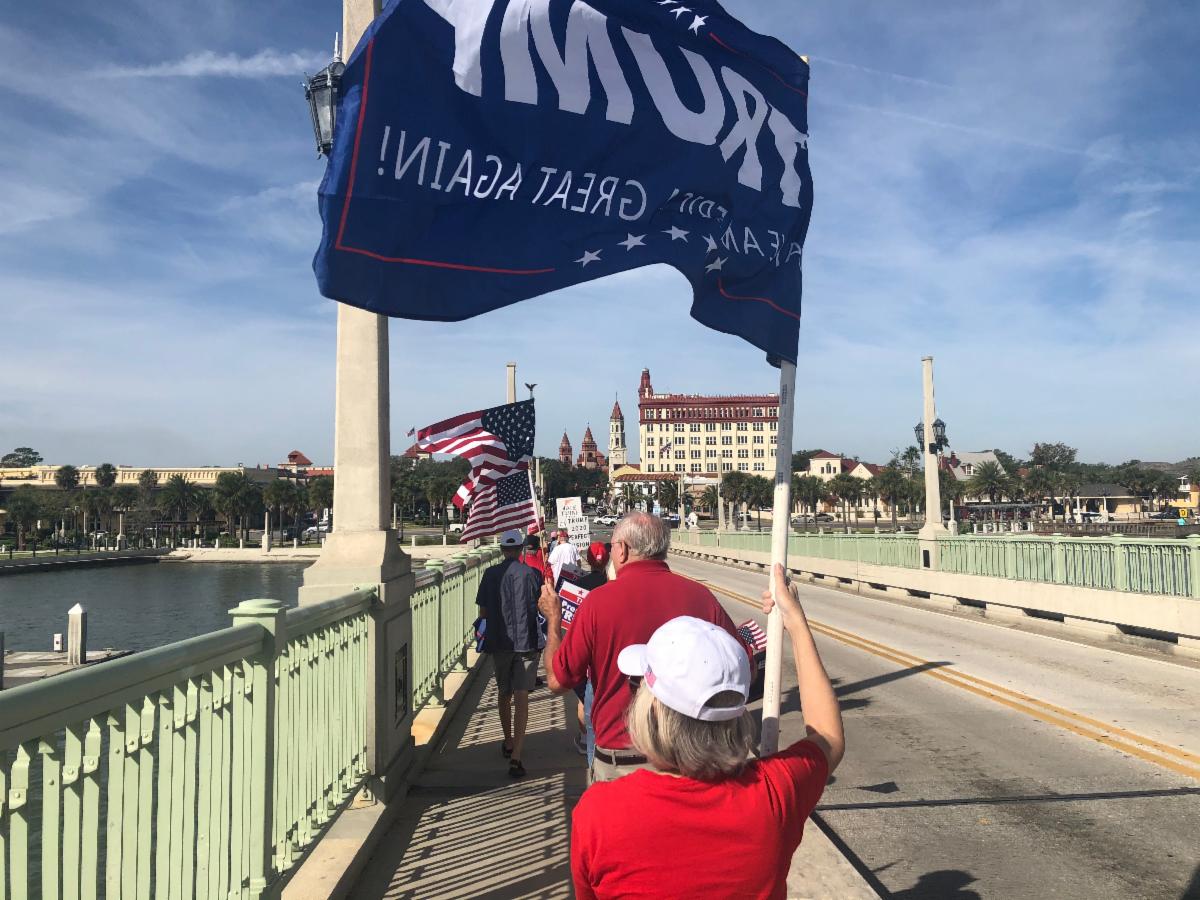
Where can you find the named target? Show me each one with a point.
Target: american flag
(753, 635)
(501, 504)
(496, 441)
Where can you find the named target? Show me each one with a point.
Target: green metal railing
(1117, 563)
(205, 768)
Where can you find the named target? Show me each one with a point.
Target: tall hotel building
(707, 436)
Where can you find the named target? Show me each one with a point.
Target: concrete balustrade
(225, 756)
(1110, 586)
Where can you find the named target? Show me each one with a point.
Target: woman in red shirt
(705, 822)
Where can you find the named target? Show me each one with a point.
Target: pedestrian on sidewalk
(507, 601)
(585, 740)
(704, 820)
(644, 595)
(532, 554)
(563, 554)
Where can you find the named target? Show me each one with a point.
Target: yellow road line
(1121, 739)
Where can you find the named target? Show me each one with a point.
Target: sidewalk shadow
(466, 830)
(944, 884)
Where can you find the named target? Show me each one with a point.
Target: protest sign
(574, 522)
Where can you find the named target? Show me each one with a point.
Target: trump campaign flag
(489, 151)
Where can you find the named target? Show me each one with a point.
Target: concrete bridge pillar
(362, 549)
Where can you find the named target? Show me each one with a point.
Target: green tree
(710, 498)
(809, 491)
(235, 496)
(668, 496)
(440, 487)
(23, 508)
(760, 493)
(320, 493)
(22, 457)
(106, 475)
(734, 488)
(909, 460)
(1054, 456)
(846, 488)
(178, 497)
(988, 481)
(800, 459)
(279, 495)
(891, 486)
(1041, 484)
(66, 477)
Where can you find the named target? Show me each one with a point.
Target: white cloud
(206, 64)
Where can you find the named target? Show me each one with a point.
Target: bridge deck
(468, 831)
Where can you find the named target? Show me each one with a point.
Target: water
(139, 606)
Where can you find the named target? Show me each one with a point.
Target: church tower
(564, 450)
(617, 453)
(645, 389)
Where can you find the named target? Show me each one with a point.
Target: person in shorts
(507, 600)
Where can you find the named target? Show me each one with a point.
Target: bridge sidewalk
(466, 830)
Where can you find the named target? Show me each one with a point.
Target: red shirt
(645, 595)
(534, 561)
(649, 835)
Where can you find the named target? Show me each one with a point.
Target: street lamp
(321, 91)
(939, 443)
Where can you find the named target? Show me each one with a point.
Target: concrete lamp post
(931, 438)
(361, 549)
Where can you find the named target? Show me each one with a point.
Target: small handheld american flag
(753, 635)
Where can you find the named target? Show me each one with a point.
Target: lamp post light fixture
(939, 443)
(321, 92)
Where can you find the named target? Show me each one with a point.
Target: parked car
(673, 518)
(312, 531)
(456, 527)
(606, 520)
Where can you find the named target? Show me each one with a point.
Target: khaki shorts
(516, 671)
(603, 770)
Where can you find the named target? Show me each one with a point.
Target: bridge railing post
(1120, 562)
(1193, 545)
(1058, 559)
(258, 776)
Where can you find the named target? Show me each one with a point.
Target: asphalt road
(986, 761)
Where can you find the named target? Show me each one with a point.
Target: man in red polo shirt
(623, 612)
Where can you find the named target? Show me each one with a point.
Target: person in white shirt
(563, 554)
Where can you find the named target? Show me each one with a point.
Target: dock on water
(24, 666)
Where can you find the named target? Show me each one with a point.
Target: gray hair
(673, 742)
(646, 536)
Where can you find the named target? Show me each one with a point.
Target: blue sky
(1011, 187)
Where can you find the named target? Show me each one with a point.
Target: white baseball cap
(688, 661)
(512, 538)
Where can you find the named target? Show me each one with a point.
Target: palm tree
(106, 475)
(277, 495)
(178, 496)
(320, 493)
(440, 488)
(668, 495)
(66, 477)
(236, 496)
(846, 489)
(988, 481)
(1040, 483)
(760, 493)
(710, 498)
(124, 498)
(733, 489)
(890, 486)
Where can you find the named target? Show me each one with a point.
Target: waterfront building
(205, 476)
(706, 435)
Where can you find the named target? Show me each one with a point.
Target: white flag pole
(780, 526)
